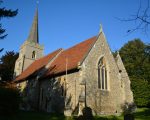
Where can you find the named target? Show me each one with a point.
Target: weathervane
(37, 2)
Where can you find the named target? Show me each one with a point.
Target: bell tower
(30, 50)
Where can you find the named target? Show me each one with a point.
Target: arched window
(33, 55)
(102, 75)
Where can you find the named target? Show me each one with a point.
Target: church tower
(30, 50)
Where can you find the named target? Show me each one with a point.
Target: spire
(33, 36)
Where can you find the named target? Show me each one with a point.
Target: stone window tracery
(102, 75)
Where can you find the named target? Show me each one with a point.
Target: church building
(68, 80)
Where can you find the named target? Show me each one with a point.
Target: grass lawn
(141, 114)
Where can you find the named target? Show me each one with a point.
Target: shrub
(9, 100)
(141, 90)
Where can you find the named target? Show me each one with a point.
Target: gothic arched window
(102, 75)
(33, 55)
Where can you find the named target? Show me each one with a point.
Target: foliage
(141, 90)
(9, 100)
(136, 58)
(7, 64)
(128, 108)
(5, 13)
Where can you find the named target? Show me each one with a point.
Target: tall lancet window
(102, 74)
(33, 55)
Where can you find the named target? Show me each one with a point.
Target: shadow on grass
(87, 115)
(142, 114)
(25, 115)
(107, 118)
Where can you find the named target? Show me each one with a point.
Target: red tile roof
(71, 56)
(36, 65)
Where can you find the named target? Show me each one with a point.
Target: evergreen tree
(7, 64)
(5, 13)
(136, 58)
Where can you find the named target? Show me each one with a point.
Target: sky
(64, 23)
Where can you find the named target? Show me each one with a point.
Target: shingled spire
(30, 50)
(33, 36)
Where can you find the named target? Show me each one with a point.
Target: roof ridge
(50, 61)
(88, 50)
(50, 53)
(80, 43)
(75, 54)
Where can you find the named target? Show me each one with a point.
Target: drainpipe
(85, 94)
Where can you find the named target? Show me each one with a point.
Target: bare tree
(141, 18)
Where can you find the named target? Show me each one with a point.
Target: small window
(102, 75)
(33, 55)
(63, 91)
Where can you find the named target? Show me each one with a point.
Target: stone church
(66, 81)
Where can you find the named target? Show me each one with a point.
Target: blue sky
(64, 23)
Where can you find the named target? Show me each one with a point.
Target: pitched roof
(36, 65)
(71, 57)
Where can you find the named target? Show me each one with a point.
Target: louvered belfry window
(33, 55)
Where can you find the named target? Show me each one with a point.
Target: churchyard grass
(140, 114)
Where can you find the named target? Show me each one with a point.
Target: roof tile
(71, 57)
(36, 65)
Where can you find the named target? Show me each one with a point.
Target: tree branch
(141, 18)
